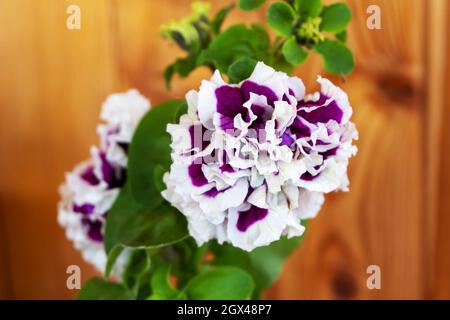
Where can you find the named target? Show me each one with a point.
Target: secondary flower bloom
(122, 113)
(251, 161)
(91, 188)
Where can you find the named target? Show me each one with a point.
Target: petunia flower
(251, 161)
(92, 187)
(121, 112)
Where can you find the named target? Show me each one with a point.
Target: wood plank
(53, 81)
(439, 147)
(435, 219)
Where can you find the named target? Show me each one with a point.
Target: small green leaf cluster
(302, 27)
(307, 25)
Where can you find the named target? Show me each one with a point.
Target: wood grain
(439, 99)
(53, 80)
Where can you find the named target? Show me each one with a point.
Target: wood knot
(337, 268)
(397, 87)
(343, 285)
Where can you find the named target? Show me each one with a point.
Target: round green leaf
(335, 18)
(150, 152)
(241, 69)
(264, 263)
(342, 36)
(250, 4)
(281, 17)
(220, 283)
(293, 52)
(308, 8)
(338, 59)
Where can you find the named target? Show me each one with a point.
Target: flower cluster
(91, 188)
(251, 161)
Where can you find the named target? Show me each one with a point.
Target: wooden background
(397, 215)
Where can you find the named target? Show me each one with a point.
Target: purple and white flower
(251, 161)
(92, 187)
(122, 113)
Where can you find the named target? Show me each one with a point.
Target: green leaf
(221, 283)
(280, 63)
(234, 43)
(338, 59)
(137, 273)
(158, 174)
(241, 69)
(250, 4)
(161, 288)
(308, 8)
(293, 52)
(112, 257)
(182, 67)
(335, 18)
(263, 263)
(281, 17)
(342, 36)
(149, 149)
(131, 224)
(99, 289)
(217, 22)
(184, 258)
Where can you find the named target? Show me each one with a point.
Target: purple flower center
(230, 101)
(262, 113)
